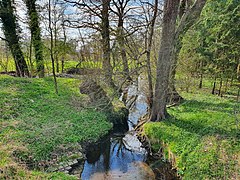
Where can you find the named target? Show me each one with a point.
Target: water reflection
(111, 155)
(122, 155)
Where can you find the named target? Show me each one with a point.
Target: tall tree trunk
(150, 82)
(7, 56)
(9, 27)
(164, 60)
(169, 50)
(220, 87)
(64, 42)
(55, 41)
(114, 54)
(51, 46)
(36, 35)
(30, 57)
(201, 81)
(186, 20)
(120, 11)
(148, 54)
(173, 94)
(120, 39)
(62, 64)
(107, 67)
(214, 85)
(201, 75)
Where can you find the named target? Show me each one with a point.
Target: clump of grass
(203, 136)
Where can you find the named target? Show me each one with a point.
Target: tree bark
(169, 50)
(56, 45)
(10, 31)
(148, 54)
(201, 81)
(107, 67)
(214, 85)
(164, 60)
(7, 56)
(64, 42)
(201, 75)
(122, 48)
(51, 46)
(220, 87)
(36, 35)
(120, 6)
(30, 57)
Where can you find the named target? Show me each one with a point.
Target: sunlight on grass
(35, 121)
(203, 136)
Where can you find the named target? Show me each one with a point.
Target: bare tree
(121, 12)
(149, 39)
(93, 12)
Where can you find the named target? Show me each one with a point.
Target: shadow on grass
(206, 118)
(194, 105)
(201, 129)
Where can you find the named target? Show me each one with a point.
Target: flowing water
(121, 155)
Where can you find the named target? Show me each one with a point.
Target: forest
(120, 89)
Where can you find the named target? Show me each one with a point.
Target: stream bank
(121, 155)
(202, 140)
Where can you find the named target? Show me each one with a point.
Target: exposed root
(141, 135)
(140, 124)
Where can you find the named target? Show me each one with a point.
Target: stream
(120, 155)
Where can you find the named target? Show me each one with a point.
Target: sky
(21, 13)
(70, 11)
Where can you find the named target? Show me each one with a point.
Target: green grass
(70, 64)
(34, 121)
(9, 66)
(201, 138)
(67, 65)
(48, 65)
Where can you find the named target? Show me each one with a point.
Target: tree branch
(190, 17)
(3, 39)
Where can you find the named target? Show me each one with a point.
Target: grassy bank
(201, 138)
(34, 122)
